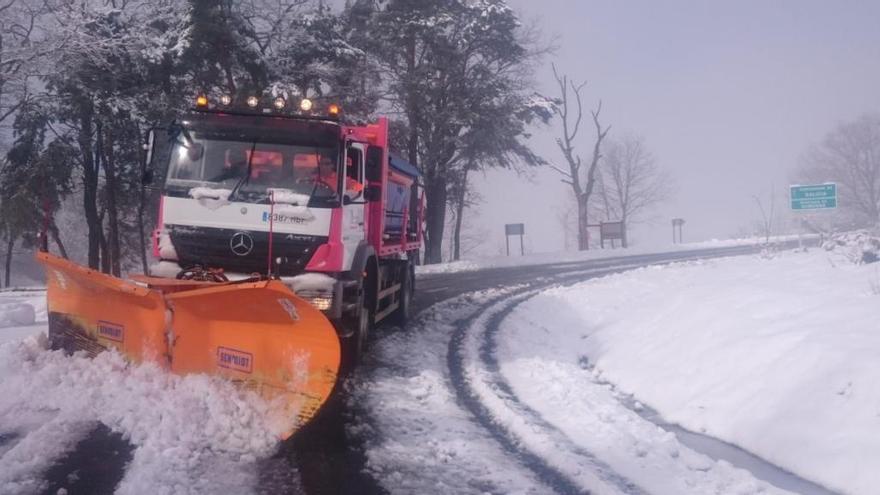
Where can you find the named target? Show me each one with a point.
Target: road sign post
(515, 229)
(812, 198)
(609, 231)
(677, 223)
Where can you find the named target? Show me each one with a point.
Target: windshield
(251, 168)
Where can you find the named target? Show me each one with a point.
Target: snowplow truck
(283, 237)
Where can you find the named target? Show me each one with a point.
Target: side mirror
(372, 193)
(149, 147)
(374, 164)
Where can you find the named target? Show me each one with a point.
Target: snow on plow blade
(257, 334)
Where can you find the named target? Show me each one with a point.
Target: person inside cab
(328, 177)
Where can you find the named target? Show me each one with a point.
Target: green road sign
(815, 197)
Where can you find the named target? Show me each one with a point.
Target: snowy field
(779, 356)
(592, 254)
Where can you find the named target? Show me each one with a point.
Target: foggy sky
(728, 95)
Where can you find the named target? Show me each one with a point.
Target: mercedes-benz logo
(241, 244)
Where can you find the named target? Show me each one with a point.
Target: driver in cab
(327, 175)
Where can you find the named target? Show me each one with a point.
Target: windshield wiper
(247, 174)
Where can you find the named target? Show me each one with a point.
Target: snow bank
(22, 314)
(195, 433)
(571, 257)
(16, 314)
(860, 246)
(776, 355)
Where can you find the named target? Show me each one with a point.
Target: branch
(563, 172)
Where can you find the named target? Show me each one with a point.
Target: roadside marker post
(677, 222)
(515, 229)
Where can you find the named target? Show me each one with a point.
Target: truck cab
(298, 196)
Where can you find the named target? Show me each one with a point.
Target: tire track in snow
(478, 390)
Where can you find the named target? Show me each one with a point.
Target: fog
(727, 95)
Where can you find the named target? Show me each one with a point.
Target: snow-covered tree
(454, 69)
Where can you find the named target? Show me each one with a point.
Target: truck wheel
(407, 288)
(353, 346)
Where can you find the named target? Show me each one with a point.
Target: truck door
(353, 204)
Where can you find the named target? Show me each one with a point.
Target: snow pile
(778, 356)
(317, 282)
(165, 269)
(210, 198)
(193, 433)
(860, 246)
(291, 204)
(22, 314)
(286, 196)
(166, 247)
(297, 212)
(16, 314)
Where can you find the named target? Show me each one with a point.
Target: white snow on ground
(420, 440)
(778, 355)
(192, 434)
(22, 314)
(594, 431)
(569, 257)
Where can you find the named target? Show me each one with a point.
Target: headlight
(321, 303)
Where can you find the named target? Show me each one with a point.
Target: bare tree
(850, 156)
(768, 215)
(582, 180)
(630, 182)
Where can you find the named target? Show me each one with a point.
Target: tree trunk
(412, 143)
(10, 244)
(105, 254)
(90, 185)
(56, 236)
(141, 224)
(459, 215)
(435, 218)
(109, 160)
(583, 224)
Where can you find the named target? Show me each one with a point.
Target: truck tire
(407, 290)
(353, 346)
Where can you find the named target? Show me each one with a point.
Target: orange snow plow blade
(257, 334)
